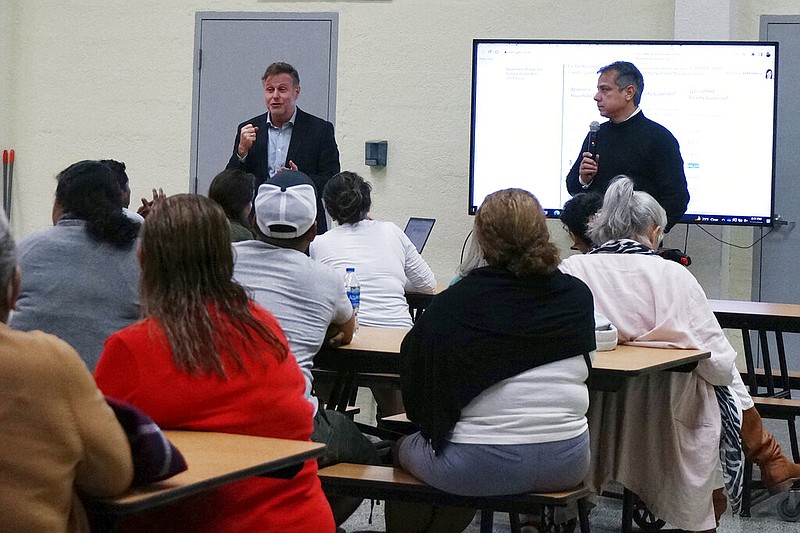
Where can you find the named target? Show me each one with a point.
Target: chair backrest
(763, 325)
(767, 371)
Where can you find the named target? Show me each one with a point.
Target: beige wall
(6, 46)
(113, 79)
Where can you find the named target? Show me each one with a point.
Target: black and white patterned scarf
(622, 246)
(731, 455)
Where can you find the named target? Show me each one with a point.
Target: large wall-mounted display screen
(532, 103)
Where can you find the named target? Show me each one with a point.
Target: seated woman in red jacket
(208, 358)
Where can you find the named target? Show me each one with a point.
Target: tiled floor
(607, 516)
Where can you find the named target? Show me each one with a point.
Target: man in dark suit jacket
(286, 137)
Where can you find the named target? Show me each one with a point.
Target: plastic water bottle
(353, 288)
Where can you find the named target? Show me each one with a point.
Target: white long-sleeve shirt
(659, 434)
(387, 265)
(657, 303)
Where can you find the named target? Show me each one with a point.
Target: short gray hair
(8, 253)
(627, 74)
(626, 214)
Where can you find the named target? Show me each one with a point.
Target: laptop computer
(418, 230)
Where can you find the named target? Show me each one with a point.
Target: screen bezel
(429, 222)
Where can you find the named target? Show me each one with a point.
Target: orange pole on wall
(5, 179)
(10, 182)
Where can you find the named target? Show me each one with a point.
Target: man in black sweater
(631, 144)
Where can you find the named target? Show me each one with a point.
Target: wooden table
(214, 459)
(611, 369)
(757, 315)
(376, 350)
(770, 382)
(418, 302)
(763, 318)
(372, 351)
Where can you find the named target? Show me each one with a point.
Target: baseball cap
(286, 205)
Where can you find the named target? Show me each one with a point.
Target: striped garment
(731, 455)
(155, 458)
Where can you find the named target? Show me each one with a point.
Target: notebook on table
(418, 230)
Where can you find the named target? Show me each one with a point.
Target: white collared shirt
(278, 145)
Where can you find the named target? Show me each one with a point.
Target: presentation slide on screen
(533, 103)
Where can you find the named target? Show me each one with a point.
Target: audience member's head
(628, 214)
(118, 169)
(87, 190)
(286, 210)
(347, 198)
(510, 231)
(233, 190)
(186, 284)
(9, 274)
(576, 215)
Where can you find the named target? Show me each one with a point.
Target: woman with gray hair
(656, 302)
(628, 216)
(49, 403)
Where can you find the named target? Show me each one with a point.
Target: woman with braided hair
(80, 277)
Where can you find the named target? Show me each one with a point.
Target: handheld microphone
(594, 127)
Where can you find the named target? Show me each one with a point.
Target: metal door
(776, 275)
(232, 50)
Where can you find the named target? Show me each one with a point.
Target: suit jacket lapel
(296, 143)
(260, 162)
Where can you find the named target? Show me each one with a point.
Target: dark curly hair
(118, 169)
(347, 198)
(577, 212)
(233, 190)
(88, 190)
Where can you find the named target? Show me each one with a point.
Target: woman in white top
(387, 263)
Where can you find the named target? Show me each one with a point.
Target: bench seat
(760, 377)
(395, 484)
(777, 407)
